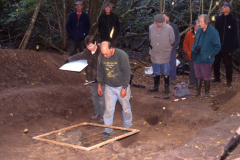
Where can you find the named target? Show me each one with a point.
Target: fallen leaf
(196, 147)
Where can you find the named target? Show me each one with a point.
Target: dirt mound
(36, 95)
(22, 67)
(227, 102)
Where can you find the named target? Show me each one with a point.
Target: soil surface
(36, 95)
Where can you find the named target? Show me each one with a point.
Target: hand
(209, 57)
(99, 90)
(66, 61)
(171, 47)
(123, 93)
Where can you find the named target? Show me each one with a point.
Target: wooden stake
(22, 40)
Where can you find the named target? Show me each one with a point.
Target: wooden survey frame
(132, 131)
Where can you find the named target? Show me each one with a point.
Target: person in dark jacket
(91, 54)
(173, 70)
(226, 25)
(78, 26)
(108, 21)
(207, 38)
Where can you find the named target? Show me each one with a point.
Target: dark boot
(156, 84)
(166, 80)
(207, 89)
(198, 87)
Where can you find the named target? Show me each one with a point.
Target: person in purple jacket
(78, 26)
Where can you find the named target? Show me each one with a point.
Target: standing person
(226, 25)
(187, 46)
(207, 38)
(161, 36)
(107, 21)
(173, 70)
(114, 69)
(78, 26)
(91, 54)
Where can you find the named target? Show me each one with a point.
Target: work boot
(95, 117)
(207, 89)
(156, 84)
(166, 80)
(198, 87)
(215, 80)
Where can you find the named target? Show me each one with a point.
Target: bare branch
(52, 45)
(184, 32)
(210, 7)
(48, 24)
(214, 8)
(133, 3)
(137, 8)
(11, 38)
(134, 34)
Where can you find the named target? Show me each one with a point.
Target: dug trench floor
(196, 128)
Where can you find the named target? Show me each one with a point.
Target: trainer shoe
(105, 136)
(95, 117)
(101, 121)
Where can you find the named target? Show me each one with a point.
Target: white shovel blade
(76, 66)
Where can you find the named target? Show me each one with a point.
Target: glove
(66, 61)
(150, 47)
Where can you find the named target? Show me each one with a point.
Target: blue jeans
(163, 68)
(98, 102)
(173, 68)
(112, 94)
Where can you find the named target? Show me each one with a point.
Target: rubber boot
(198, 87)
(156, 84)
(207, 89)
(166, 80)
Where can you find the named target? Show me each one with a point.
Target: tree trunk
(59, 22)
(190, 13)
(210, 7)
(64, 45)
(164, 5)
(160, 6)
(30, 28)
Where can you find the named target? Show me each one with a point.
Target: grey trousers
(98, 102)
(192, 72)
(73, 45)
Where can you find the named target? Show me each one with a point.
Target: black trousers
(227, 59)
(73, 45)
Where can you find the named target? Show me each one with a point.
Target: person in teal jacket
(208, 40)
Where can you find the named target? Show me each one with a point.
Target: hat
(159, 18)
(79, 3)
(228, 4)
